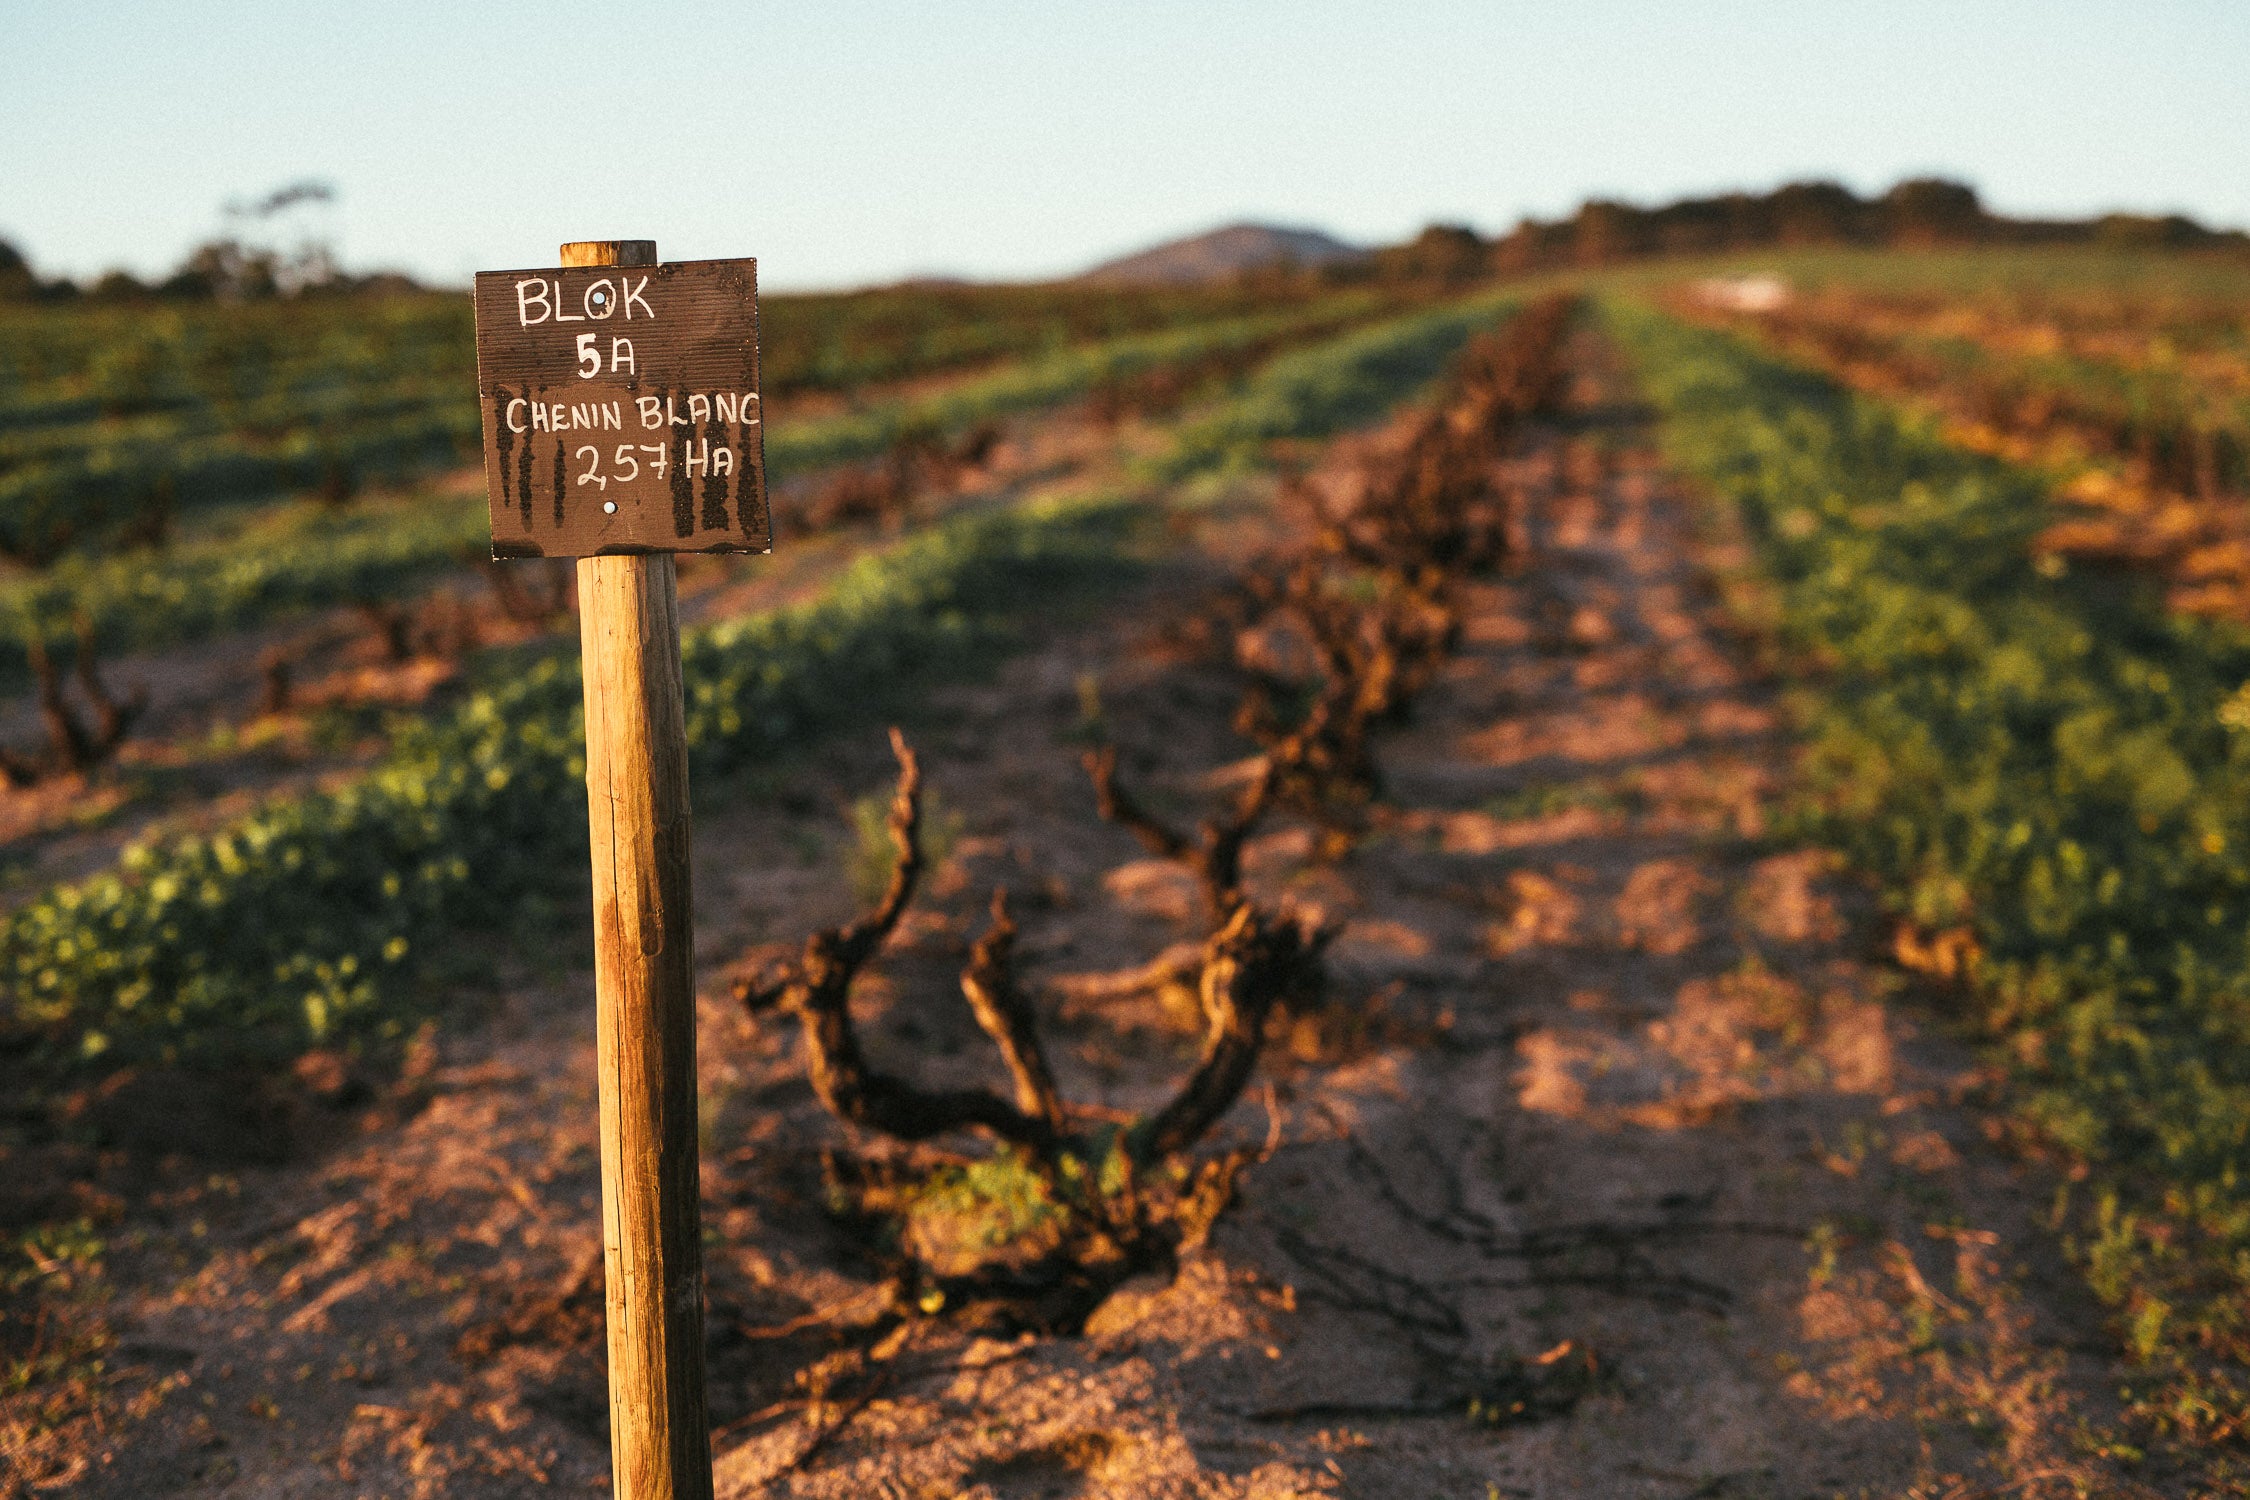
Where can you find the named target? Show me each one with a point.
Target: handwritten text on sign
(621, 409)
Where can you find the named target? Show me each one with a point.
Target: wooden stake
(644, 999)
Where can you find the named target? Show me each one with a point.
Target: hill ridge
(1228, 250)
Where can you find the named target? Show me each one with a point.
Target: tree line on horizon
(220, 270)
(1919, 212)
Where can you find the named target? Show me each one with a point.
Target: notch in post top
(609, 253)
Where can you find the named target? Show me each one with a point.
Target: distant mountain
(1222, 253)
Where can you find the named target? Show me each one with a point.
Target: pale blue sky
(843, 143)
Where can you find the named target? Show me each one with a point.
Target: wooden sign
(621, 410)
(621, 425)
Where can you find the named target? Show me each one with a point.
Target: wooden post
(644, 999)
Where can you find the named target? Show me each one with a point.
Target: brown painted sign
(621, 409)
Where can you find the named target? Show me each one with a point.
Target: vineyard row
(288, 558)
(306, 920)
(2053, 783)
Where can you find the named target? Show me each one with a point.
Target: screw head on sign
(609, 507)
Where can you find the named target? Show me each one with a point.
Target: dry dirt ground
(1618, 1123)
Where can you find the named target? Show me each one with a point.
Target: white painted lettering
(652, 410)
(660, 457)
(673, 412)
(513, 424)
(699, 408)
(600, 299)
(633, 295)
(722, 460)
(621, 357)
(612, 414)
(695, 458)
(526, 296)
(593, 474)
(726, 407)
(539, 422)
(589, 358)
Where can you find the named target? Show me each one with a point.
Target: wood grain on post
(644, 996)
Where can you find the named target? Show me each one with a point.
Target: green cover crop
(2047, 761)
(286, 927)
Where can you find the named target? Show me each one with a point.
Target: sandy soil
(1618, 1125)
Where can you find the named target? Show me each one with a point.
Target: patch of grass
(1546, 799)
(53, 1344)
(1001, 1200)
(1092, 726)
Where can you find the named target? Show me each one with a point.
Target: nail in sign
(621, 409)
